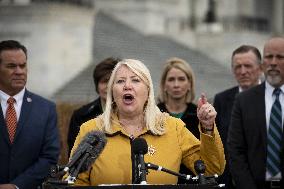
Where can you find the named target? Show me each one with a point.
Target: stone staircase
(113, 38)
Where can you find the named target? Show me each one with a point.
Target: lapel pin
(29, 99)
(151, 150)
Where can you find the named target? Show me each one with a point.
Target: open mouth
(128, 98)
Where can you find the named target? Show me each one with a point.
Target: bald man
(250, 128)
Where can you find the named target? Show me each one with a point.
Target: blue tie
(274, 136)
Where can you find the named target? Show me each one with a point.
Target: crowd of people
(240, 137)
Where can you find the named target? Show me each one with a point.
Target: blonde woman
(176, 95)
(131, 112)
(177, 92)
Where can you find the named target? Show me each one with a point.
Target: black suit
(247, 139)
(80, 116)
(223, 104)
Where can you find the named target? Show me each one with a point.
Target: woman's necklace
(131, 130)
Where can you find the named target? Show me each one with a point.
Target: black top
(80, 116)
(189, 118)
(191, 122)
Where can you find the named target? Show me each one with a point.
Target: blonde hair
(183, 66)
(153, 117)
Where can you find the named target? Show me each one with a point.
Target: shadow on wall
(64, 112)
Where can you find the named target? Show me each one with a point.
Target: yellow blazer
(113, 166)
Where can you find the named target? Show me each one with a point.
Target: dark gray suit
(247, 139)
(36, 145)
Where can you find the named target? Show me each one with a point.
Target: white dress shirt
(18, 102)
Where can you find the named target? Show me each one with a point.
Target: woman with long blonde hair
(131, 112)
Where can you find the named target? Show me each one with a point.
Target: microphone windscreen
(199, 166)
(97, 144)
(89, 139)
(139, 146)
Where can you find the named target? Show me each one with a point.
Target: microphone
(200, 167)
(139, 147)
(160, 168)
(86, 153)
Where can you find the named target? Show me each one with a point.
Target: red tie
(11, 119)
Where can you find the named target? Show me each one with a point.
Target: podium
(132, 186)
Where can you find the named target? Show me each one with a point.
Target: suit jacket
(223, 104)
(27, 161)
(247, 139)
(80, 116)
(191, 122)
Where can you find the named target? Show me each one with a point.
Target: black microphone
(139, 147)
(160, 168)
(200, 167)
(56, 171)
(86, 153)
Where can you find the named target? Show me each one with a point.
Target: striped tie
(274, 136)
(11, 119)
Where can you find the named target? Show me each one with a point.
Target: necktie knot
(277, 92)
(11, 101)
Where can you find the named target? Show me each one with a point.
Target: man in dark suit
(248, 144)
(89, 111)
(29, 140)
(246, 61)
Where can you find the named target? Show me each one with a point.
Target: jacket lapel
(3, 127)
(25, 112)
(230, 99)
(234, 93)
(260, 106)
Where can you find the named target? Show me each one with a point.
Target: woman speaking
(131, 112)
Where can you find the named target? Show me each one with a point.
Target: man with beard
(255, 137)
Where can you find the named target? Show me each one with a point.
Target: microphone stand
(201, 178)
(142, 170)
(160, 168)
(73, 167)
(73, 173)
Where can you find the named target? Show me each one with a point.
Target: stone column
(210, 16)
(277, 21)
(192, 17)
